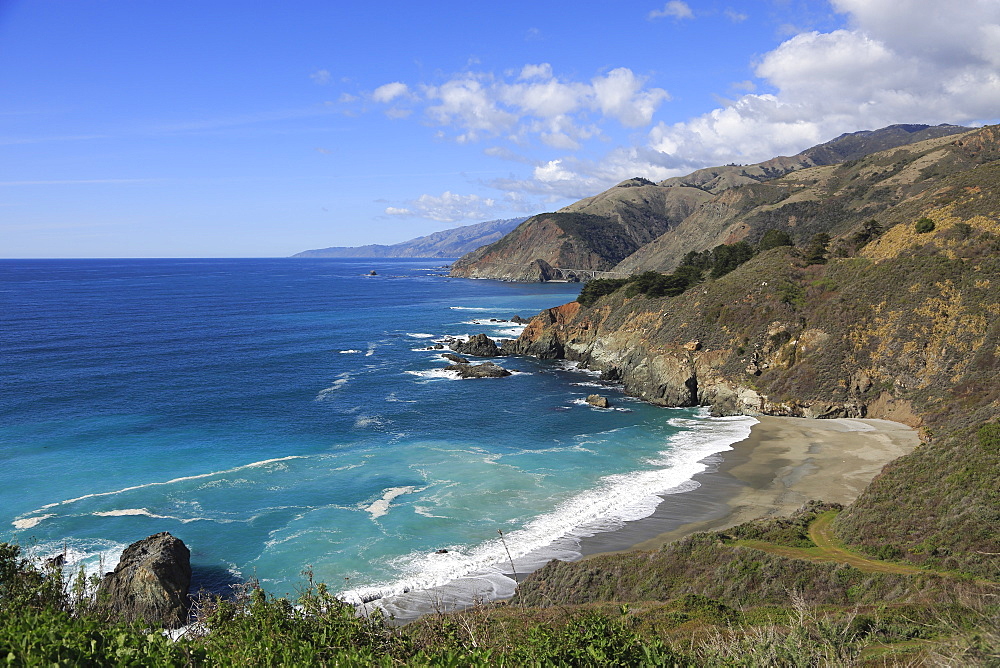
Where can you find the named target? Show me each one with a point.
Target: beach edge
(782, 464)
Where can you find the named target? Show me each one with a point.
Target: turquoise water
(283, 415)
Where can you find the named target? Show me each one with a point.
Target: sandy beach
(781, 465)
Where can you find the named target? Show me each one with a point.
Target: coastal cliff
(907, 330)
(778, 337)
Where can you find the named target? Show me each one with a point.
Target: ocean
(284, 417)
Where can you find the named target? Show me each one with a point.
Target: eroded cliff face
(671, 371)
(855, 338)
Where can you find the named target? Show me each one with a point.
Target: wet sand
(781, 465)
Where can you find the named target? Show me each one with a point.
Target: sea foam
(617, 499)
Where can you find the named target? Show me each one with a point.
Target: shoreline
(784, 463)
(781, 465)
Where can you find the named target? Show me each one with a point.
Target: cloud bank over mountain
(913, 61)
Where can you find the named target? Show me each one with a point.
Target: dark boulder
(150, 583)
(484, 370)
(479, 345)
(454, 358)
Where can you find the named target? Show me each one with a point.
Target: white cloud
(620, 95)
(469, 105)
(447, 208)
(900, 61)
(321, 77)
(674, 8)
(531, 104)
(389, 92)
(735, 16)
(551, 171)
(896, 61)
(542, 71)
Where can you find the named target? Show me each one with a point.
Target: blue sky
(239, 129)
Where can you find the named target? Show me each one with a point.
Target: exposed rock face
(454, 358)
(484, 370)
(594, 233)
(598, 401)
(759, 352)
(479, 345)
(150, 583)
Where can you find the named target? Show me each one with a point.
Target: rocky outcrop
(150, 583)
(454, 358)
(598, 401)
(676, 374)
(479, 345)
(484, 370)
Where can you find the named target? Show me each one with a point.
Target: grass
(829, 549)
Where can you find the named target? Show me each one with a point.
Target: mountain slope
(595, 233)
(829, 198)
(447, 243)
(617, 226)
(907, 328)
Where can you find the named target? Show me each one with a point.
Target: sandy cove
(781, 465)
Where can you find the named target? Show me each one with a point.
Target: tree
(727, 257)
(773, 239)
(816, 251)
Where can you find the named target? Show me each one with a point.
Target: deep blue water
(281, 414)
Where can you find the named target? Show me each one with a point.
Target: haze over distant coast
(448, 243)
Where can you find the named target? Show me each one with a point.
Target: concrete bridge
(569, 273)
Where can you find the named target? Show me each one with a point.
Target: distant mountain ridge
(639, 225)
(448, 243)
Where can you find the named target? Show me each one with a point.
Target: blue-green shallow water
(281, 414)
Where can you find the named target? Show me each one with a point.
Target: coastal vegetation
(43, 624)
(714, 263)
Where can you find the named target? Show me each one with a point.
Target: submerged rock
(484, 370)
(598, 401)
(479, 345)
(150, 583)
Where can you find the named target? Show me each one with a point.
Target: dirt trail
(829, 549)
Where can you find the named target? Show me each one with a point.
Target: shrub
(773, 239)
(924, 225)
(597, 288)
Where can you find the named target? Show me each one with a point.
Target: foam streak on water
(616, 499)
